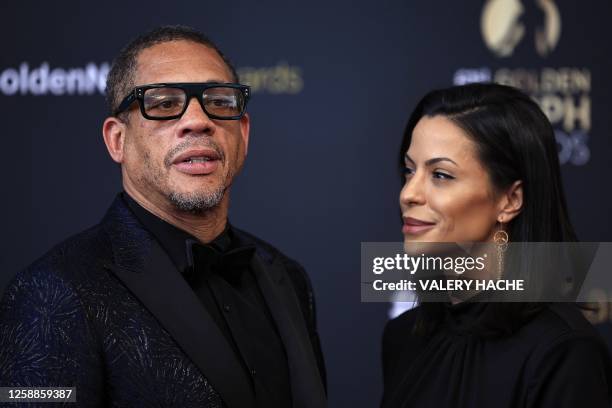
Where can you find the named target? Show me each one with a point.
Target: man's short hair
(123, 70)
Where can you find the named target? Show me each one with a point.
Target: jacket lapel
(306, 385)
(145, 269)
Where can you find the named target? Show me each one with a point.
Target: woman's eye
(442, 176)
(408, 171)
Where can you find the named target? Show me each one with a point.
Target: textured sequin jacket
(102, 312)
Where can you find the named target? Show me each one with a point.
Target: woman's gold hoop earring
(501, 243)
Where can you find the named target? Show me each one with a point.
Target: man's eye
(163, 103)
(167, 104)
(223, 102)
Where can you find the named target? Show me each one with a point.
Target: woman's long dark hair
(514, 141)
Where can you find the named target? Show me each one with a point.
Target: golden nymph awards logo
(563, 92)
(502, 29)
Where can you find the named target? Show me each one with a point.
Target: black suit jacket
(107, 311)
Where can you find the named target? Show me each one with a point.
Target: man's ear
(245, 127)
(113, 131)
(511, 202)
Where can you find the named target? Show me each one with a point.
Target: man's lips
(197, 161)
(414, 226)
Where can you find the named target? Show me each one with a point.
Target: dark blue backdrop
(334, 84)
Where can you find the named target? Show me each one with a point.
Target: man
(164, 303)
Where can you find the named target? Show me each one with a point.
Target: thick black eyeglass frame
(191, 89)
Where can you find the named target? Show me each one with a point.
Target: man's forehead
(180, 61)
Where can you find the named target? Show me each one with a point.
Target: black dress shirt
(232, 297)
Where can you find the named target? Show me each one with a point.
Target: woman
(480, 165)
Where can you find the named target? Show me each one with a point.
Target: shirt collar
(175, 241)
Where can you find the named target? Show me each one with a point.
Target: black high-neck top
(556, 359)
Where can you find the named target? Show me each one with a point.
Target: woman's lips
(413, 226)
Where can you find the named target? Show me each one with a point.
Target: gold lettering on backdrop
(563, 93)
(279, 79)
(565, 80)
(577, 113)
(571, 112)
(552, 106)
(559, 80)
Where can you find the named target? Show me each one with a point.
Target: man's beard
(197, 203)
(201, 201)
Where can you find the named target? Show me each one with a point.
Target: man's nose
(195, 119)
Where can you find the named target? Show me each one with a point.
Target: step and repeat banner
(333, 85)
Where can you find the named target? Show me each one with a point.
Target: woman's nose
(413, 192)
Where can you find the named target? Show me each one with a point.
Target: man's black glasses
(170, 101)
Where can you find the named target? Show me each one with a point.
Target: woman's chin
(428, 244)
(416, 247)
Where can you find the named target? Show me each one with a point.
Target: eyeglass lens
(218, 101)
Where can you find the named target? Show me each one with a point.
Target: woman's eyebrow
(439, 159)
(433, 160)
